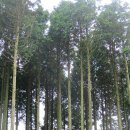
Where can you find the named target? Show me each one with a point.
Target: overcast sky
(49, 5)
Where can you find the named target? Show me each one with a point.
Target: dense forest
(73, 61)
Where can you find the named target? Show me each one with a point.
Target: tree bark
(19, 10)
(102, 102)
(5, 114)
(117, 88)
(82, 89)
(31, 110)
(69, 93)
(127, 77)
(86, 106)
(28, 107)
(106, 114)
(59, 121)
(124, 106)
(89, 89)
(59, 118)
(52, 100)
(49, 102)
(15, 74)
(94, 107)
(64, 119)
(2, 96)
(46, 106)
(38, 102)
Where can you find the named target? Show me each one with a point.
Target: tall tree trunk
(14, 76)
(1, 109)
(117, 88)
(89, 90)
(59, 121)
(128, 120)
(86, 106)
(64, 118)
(31, 110)
(36, 109)
(5, 114)
(106, 114)
(2, 96)
(69, 93)
(127, 77)
(49, 104)
(59, 118)
(102, 107)
(95, 111)
(38, 102)
(82, 89)
(28, 107)
(52, 100)
(5, 78)
(124, 105)
(46, 106)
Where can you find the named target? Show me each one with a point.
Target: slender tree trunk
(124, 106)
(106, 114)
(110, 120)
(28, 109)
(1, 110)
(36, 108)
(128, 121)
(82, 93)
(94, 107)
(117, 88)
(89, 89)
(59, 118)
(5, 114)
(127, 77)
(46, 106)
(49, 113)
(31, 110)
(59, 121)
(102, 102)
(2, 96)
(38, 102)
(69, 93)
(86, 106)
(17, 104)
(20, 5)
(17, 114)
(52, 100)
(14, 75)
(64, 118)
(49, 104)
